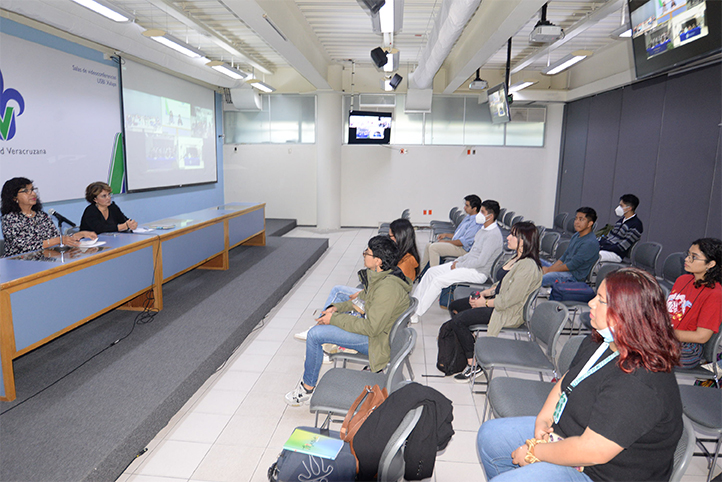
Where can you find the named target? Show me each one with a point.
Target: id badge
(560, 407)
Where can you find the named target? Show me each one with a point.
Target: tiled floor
(233, 428)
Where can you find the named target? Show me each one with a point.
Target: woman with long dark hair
(695, 301)
(25, 226)
(616, 414)
(502, 305)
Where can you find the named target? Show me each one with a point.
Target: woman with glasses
(616, 414)
(695, 301)
(103, 215)
(26, 227)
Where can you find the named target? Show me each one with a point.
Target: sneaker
(414, 318)
(351, 351)
(302, 336)
(329, 348)
(467, 374)
(298, 396)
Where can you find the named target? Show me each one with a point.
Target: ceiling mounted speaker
(371, 6)
(378, 56)
(395, 81)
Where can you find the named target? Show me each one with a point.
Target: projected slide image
(176, 114)
(161, 153)
(191, 150)
(369, 127)
(202, 122)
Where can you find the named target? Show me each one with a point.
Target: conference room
(275, 137)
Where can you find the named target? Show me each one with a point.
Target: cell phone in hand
(475, 295)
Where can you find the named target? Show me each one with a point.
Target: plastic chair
(391, 464)
(709, 354)
(507, 219)
(339, 387)
(548, 243)
(703, 406)
(559, 219)
(516, 219)
(523, 329)
(569, 226)
(684, 452)
(672, 269)
(463, 290)
(645, 256)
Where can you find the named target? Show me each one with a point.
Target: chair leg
(714, 460)
(486, 396)
(411, 371)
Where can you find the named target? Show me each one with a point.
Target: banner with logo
(59, 118)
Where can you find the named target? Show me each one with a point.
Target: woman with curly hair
(695, 302)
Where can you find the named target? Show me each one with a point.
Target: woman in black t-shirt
(616, 414)
(103, 215)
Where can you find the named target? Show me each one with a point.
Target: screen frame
(352, 139)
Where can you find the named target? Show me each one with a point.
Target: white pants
(438, 278)
(609, 256)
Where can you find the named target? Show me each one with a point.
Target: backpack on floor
(451, 357)
(572, 291)
(297, 467)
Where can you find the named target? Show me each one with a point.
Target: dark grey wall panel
(714, 222)
(686, 160)
(602, 136)
(639, 131)
(573, 155)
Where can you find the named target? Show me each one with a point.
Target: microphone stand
(61, 247)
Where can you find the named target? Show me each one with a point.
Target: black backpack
(450, 359)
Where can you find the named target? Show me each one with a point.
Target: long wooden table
(45, 293)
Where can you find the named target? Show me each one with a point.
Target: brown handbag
(362, 407)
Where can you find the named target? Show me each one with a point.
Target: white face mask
(480, 218)
(619, 211)
(607, 334)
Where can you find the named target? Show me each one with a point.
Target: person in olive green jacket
(384, 298)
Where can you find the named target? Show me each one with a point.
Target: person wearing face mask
(616, 244)
(103, 215)
(616, 414)
(473, 267)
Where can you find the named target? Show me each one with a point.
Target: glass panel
(406, 128)
(525, 134)
(290, 116)
(445, 124)
(247, 127)
(308, 119)
(478, 129)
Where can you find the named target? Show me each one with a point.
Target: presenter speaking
(26, 227)
(103, 215)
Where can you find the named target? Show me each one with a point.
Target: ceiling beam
(578, 28)
(284, 28)
(493, 24)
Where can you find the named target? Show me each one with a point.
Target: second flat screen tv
(498, 104)
(369, 127)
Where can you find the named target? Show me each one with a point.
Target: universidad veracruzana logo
(7, 121)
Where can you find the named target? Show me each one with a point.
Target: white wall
(378, 183)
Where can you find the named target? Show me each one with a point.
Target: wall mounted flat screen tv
(667, 34)
(498, 104)
(369, 127)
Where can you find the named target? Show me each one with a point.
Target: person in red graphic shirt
(695, 302)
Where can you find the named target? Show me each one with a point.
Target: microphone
(60, 217)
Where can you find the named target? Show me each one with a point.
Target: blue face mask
(607, 334)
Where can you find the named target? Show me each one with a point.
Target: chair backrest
(539, 228)
(645, 255)
(684, 451)
(569, 350)
(401, 347)
(559, 220)
(500, 217)
(673, 267)
(561, 246)
(500, 260)
(549, 242)
(460, 215)
(546, 325)
(452, 213)
(605, 269)
(508, 217)
(391, 464)
(404, 319)
(711, 348)
(406, 214)
(526, 312)
(569, 225)
(516, 219)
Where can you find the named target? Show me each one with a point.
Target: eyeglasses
(366, 253)
(26, 190)
(694, 257)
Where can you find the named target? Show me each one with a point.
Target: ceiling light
(566, 62)
(622, 32)
(521, 85)
(174, 43)
(228, 70)
(106, 9)
(262, 86)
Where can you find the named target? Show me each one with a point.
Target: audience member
(384, 298)
(103, 215)
(458, 243)
(473, 267)
(616, 414)
(695, 302)
(25, 226)
(581, 254)
(616, 244)
(502, 305)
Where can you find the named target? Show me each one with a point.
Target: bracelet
(530, 458)
(486, 302)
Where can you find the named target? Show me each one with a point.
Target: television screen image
(369, 127)
(498, 104)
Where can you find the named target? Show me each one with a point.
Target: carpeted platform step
(279, 227)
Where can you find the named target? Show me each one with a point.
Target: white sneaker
(298, 396)
(326, 359)
(414, 318)
(302, 336)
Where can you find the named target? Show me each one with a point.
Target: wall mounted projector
(478, 84)
(546, 33)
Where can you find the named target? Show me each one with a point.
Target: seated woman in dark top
(103, 215)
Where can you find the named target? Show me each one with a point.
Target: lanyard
(587, 370)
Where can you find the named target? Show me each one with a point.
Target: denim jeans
(320, 334)
(339, 294)
(496, 441)
(556, 276)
